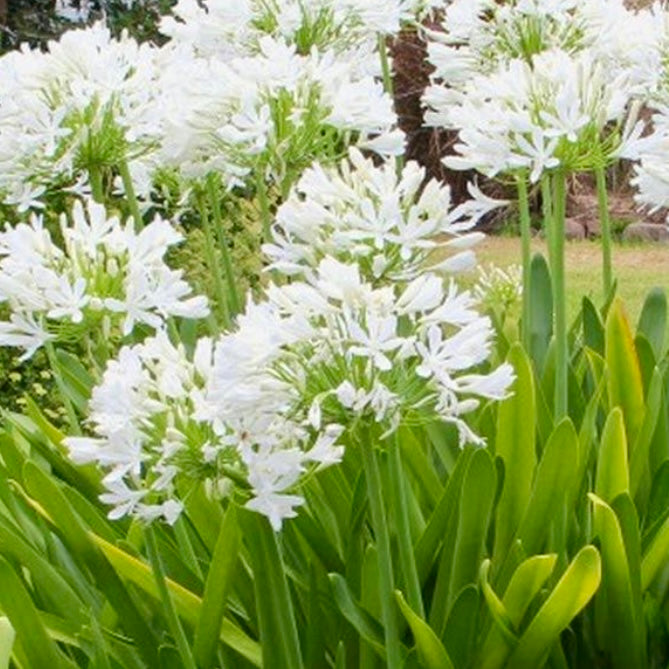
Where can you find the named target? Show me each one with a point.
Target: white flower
(89, 99)
(103, 270)
(24, 332)
(387, 223)
(276, 507)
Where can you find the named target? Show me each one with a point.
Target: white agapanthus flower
(104, 273)
(142, 415)
(389, 223)
(477, 36)
(229, 28)
(333, 351)
(559, 109)
(498, 287)
(154, 424)
(274, 111)
(87, 102)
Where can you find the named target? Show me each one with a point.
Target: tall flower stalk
(553, 191)
(605, 225)
(526, 250)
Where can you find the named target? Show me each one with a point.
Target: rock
(646, 232)
(573, 229)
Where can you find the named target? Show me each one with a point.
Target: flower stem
(380, 526)
(130, 195)
(385, 65)
(97, 189)
(555, 203)
(406, 553)
(214, 265)
(525, 237)
(605, 224)
(263, 201)
(62, 389)
(214, 198)
(388, 87)
(177, 630)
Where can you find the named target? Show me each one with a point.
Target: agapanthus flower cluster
(395, 226)
(499, 288)
(87, 102)
(557, 110)
(274, 111)
(145, 415)
(477, 36)
(231, 28)
(103, 275)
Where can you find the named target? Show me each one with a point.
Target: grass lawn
(638, 268)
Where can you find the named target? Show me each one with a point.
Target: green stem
(214, 265)
(97, 189)
(173, 331)
(388, 86)
(559, 295)
(214, 198)
(386, 579)
(525, 240)
(263, 201)
(130, 195)
(173, 621)
(386, 72)
(605, 224)
(62, 389)
(407, 557)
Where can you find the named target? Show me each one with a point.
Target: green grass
(637, 268)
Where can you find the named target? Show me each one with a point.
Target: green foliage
(35, 22)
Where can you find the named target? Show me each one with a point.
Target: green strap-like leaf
(593, 328)
(612, 469)
(7, 636)
(572, 592)
(640, 457)
(626, 645)
(426, 547)
(478, 492)
(653, 319)
(656, 555)
(276, 619)
(219, 580)
(525, 584)
(44, 489)
(554, 483)
(188, 605)
(367, 626)
(623, 371)
(515, 445)
(462, 626)
(431, 651)
(18, 606)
